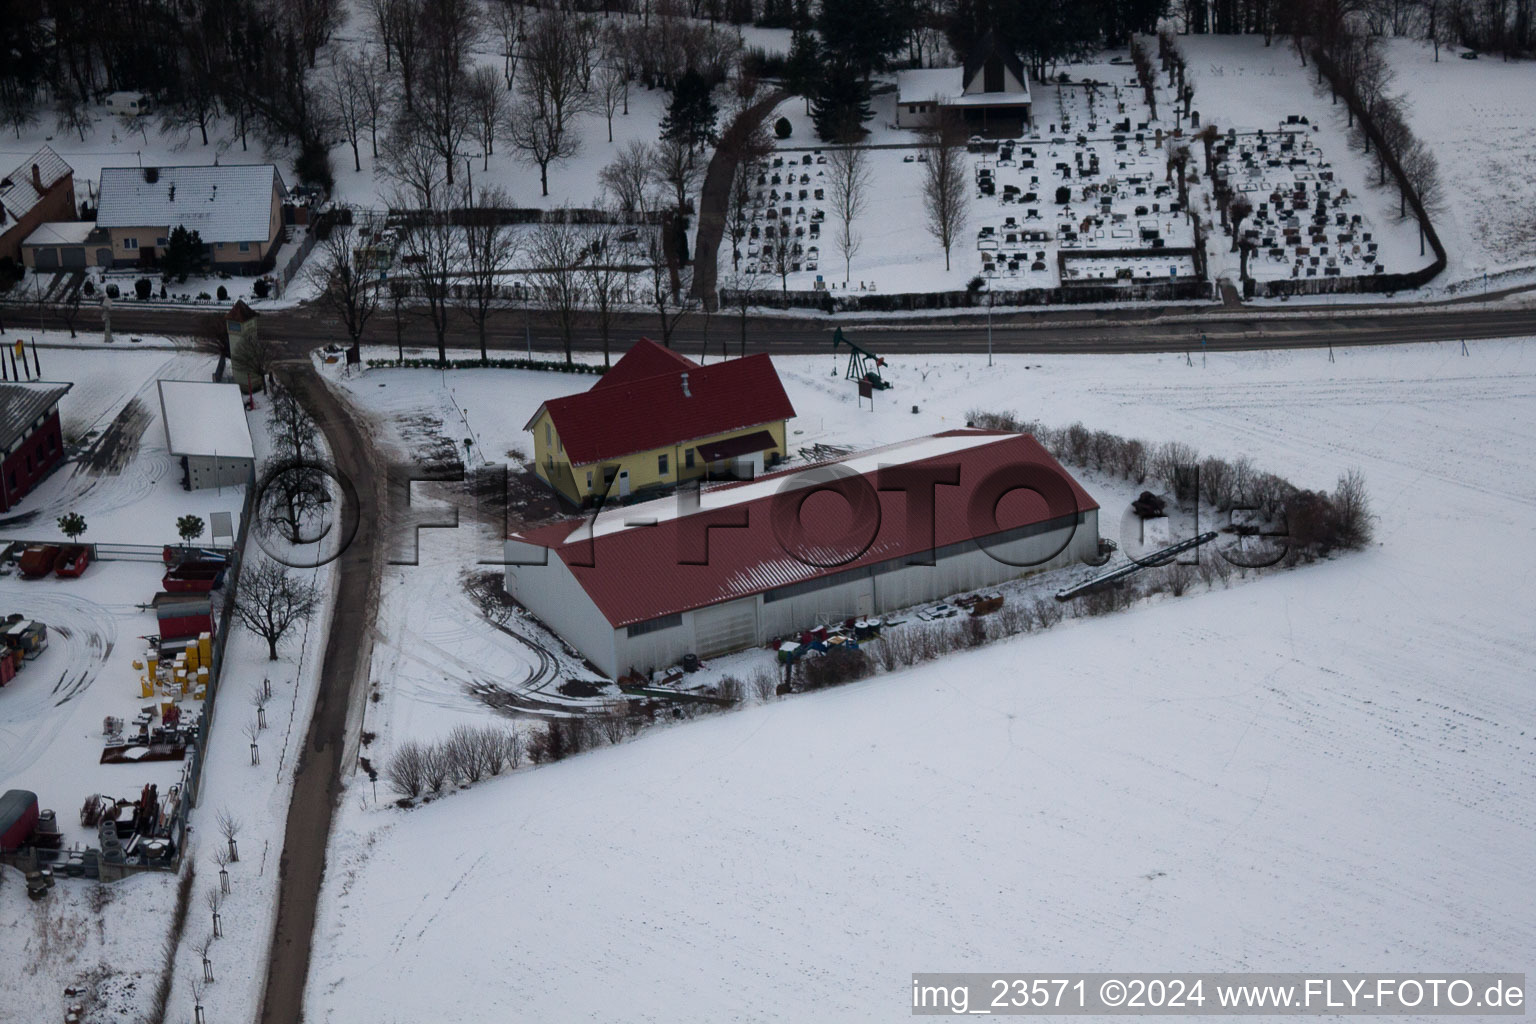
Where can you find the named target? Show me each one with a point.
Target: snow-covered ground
(139, 502)
(1194, 784)
(1477, 117)
(51, 721)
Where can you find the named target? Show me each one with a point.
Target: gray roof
(227, 203)
(20, 404)
(17, 193)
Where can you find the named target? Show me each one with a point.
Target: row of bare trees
(466, 756)
(1352, 67)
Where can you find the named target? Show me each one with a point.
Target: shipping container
(18, 817)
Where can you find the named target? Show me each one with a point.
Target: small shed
(205, 428)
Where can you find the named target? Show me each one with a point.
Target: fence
(879, 302)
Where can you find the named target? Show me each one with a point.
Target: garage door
(47, 259)
(726, 627)
(74, 257)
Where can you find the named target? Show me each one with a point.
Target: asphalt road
(1053, 330)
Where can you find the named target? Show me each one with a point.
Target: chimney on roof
(37, 179)
(686, 392)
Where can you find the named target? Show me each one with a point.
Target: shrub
(834, 667)
(406, 769)
(782, 128)
(142, 288)
(260, 288)
(1351, 511)
(731, 689)
(88, 288)
(223, 294)
(113, 291)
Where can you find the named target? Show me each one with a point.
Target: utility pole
(989, 320)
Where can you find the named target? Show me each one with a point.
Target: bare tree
(253, 733)
(556, 256)
(604, 277)
(490, 252)
(848, 177)
(347, 103)
(488, 109)
(411, 165)
(610, 87)
(674, 165)
(551, 95)
(374, 95)
(442, 114)
(505, 18)
(270, 601)
(1238, 210)
(432, 251)
(627, 179)
(213, 899)
(539, 138)
(945, 188)
(345, 281)
(1423, 174)
(229, 828)
(777, 251)
(399, 27)
(667, 288)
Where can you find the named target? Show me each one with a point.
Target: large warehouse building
(866, 534)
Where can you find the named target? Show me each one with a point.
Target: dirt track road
(317, 782)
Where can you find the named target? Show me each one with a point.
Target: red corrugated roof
(638, 572)
(639, 414)
(645, 358)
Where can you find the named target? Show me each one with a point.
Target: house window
(589, 479)
(130, 243)
(245, 246)
(661, 465)
(549, 436)
(688, 458)
(162, 241)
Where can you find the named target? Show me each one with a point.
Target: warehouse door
(723, 628)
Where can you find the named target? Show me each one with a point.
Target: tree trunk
(271, 651)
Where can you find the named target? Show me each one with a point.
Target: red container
(72, 561)
(18, 817)
(37, 561)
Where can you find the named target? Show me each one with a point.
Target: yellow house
(236, 209)
(657, 419)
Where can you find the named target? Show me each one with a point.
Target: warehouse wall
(552, 593)
(213, 471)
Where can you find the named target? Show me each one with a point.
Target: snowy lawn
(1477, 117)
(1326, 768)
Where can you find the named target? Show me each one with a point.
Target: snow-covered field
(1327, 768)
(1477, 117)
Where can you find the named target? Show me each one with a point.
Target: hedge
(551, 365)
